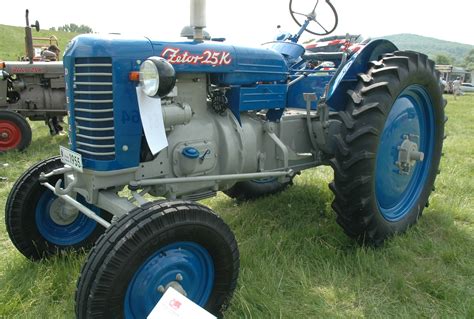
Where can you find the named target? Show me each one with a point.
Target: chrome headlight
(157, 77)
(149, 78)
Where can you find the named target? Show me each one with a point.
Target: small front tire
(35, 222)
(182, 245)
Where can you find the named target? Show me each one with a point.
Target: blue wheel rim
(188, 259)
(62, 235)
(412, 114)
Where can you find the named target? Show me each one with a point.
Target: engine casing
(36, 91)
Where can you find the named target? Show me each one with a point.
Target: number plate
(71, 158)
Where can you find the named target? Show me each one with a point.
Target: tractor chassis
(101, 189)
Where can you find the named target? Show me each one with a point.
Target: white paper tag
(174, 305)
(152, 121)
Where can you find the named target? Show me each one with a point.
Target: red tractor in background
(32, 88)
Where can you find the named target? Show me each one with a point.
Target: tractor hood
(227, 64)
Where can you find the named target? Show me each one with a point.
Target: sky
(251, 21)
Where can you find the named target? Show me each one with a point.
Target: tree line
(446, 59)
(72, 27)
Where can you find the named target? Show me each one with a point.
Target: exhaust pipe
(29, 39)
(198, 18)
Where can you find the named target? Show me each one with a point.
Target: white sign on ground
(174, 305)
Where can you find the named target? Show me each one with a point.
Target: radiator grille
(93, 108)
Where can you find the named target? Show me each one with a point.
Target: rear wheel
(182, 245)
(15, 132)
(36, 219)
(393, 137)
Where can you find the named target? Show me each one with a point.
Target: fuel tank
(53, 68)
(228, 64)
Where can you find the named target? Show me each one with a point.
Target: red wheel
(15, 132)
(10, 135)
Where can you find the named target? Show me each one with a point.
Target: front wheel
(40, 224)
(393, 140)
(182, 245)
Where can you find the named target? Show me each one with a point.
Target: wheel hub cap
(59, 223)
(408, 155)
(175, 285)
(61, 213)
(10, 135)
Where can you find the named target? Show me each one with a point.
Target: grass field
(295, 260)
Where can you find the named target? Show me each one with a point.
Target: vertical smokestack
(198, 18)
(29, 39)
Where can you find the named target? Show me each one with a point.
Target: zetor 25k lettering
(175, 56)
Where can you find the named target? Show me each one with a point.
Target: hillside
(12, 44)
(430, 46)
(12, 41)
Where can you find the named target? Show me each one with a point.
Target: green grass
(295, 260)
(12, 41)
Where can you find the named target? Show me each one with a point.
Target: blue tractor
(183, 120)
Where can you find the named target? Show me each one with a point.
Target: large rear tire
(396, 109)
(15, 132)
(182, 245)
(35, 222)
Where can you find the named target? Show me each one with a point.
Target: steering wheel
(312, 18)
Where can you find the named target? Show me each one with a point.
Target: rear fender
(346, 75)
